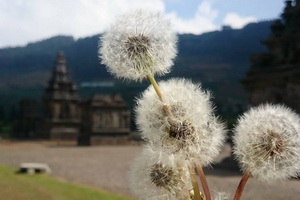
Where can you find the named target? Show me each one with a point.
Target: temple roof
(103, 100)
(60, 85)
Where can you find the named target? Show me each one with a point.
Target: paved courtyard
(107, 167)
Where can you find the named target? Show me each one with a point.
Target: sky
(24, 21)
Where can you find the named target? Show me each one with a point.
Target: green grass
(40, 187)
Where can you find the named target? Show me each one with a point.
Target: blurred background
(55, 93)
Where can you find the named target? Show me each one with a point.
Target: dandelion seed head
(181, 130)
(156, 175)
(190, 128)
(267, 142)
(138, 44)
(163, 176)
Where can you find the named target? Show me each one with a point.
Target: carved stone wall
(105, 119)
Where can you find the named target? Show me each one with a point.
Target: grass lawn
(40, 187)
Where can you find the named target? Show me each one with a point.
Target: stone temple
(66, 117)
(62, 117)
(274, 76)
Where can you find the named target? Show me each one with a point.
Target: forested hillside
(218, 59)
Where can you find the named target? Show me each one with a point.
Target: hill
(218, 59)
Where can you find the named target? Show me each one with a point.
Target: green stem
(159, 94)
(155, 86)
(241, 186)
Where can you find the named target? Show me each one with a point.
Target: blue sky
(23, 21)
(261, 9)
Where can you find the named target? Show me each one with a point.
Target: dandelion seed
(221, 196)
(267, 142)
(157, 176)
(190, 128)
(138, 44)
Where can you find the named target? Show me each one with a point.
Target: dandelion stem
(155, 86)
(195, 185)
(203, 181)
(241, 186)
(159, 94)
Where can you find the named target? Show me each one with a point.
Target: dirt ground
(107, 167)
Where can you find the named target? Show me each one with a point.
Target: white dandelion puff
(138, 44)
(267, 142)
(157, 176)
(190, 128)
(221, 196)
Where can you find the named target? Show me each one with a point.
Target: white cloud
(202, 21)
(22, 21)
(237, 21)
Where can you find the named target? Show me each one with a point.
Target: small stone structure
(274, 75)
(26, 124)
(105, 119)
(32, 168)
